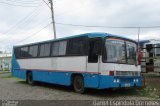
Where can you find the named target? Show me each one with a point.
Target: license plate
(127, 85)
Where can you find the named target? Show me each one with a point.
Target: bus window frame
(52, 42)
(86, 48)
(104, 48)
(39, 49)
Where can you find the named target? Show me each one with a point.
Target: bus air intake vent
(126, 73)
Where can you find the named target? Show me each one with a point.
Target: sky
(23, 21)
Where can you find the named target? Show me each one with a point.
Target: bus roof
(90, 35)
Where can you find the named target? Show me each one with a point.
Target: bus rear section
(94, 60)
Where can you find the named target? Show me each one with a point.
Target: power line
(17, 4)
(11, 43)
(14, 36)
(46, 4)
(23, 2)
(28, 16)
(28, 0)
(21, 21)
(33, 34)
(123, 27)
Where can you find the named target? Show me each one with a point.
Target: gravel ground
(16, 89)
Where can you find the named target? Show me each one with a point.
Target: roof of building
(151, 41)
(2, 55)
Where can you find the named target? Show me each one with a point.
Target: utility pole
(138, 35)
(53, 20)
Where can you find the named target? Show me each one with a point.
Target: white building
(5, 61)
(151, 54)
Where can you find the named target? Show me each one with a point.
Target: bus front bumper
(120, 81)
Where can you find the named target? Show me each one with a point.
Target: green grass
(4, 72)
(8, 76)
(153, 92)
(150, 92)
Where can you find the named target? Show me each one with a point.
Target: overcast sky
(18, 24)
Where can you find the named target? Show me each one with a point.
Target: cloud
(86, 12)
(150, 35)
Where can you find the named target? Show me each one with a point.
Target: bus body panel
(61, 78)
(127, 79)
(91, 80)
(19, 73)
(54, 63)
(108, 82)
(106, 67)
(59, 70)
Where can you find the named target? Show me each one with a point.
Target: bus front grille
(127, 73)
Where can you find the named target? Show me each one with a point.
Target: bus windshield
(120, 51)
(131, 52)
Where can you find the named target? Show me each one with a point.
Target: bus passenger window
(45, 50)
(59, 48)
(17, 52)
(33, 51)
(24, 52)
(77, 46)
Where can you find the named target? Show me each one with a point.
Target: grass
(8, 76)
(151, 92)
(4, 72)
(148, 91)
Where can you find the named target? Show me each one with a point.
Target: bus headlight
(114, 80)
(117, 80)
(134, 80)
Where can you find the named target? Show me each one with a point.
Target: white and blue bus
(91, 60)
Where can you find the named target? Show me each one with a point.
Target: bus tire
(78, 84)
(30, 78)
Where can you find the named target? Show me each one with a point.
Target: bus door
(93, 62)
(150, 59)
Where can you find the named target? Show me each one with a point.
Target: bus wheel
(30, 78)
(78, 84)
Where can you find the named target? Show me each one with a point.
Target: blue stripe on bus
(75, 71)
(14, 62)
(91, 80)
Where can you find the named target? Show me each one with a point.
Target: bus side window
(77, 46)
(95, 45)
(17, 52)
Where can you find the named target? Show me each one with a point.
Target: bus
(90, 60)
(151, 57)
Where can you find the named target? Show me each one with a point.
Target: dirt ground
(16, 89)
